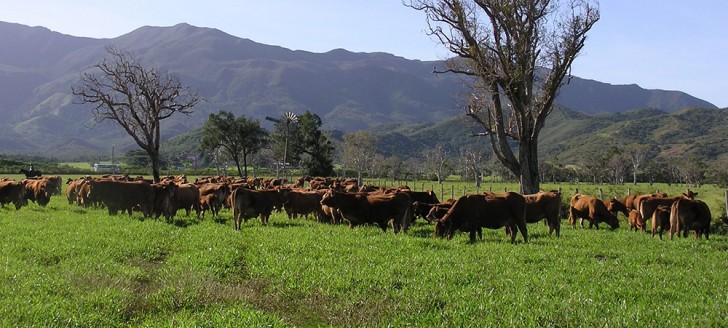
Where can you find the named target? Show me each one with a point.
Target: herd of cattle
(337, 200)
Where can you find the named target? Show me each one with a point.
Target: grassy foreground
(66, 266)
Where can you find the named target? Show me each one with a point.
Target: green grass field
(69, 266)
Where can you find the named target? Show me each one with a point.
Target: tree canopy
(515, 55)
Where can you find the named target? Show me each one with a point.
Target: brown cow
(636, 221)
(12, 192)
(592, 209)
(187, 197)
(688, 214)
(36, 190)
(247, 204)
(221, 191)
(661, 219)
(361, 208)
(304, 203)
(545, 205)
(632, 202)
(123, 195)
(422, 197)
(438, 211)
(616, 206)
(471, 213)
(647, 205)
(163, 199)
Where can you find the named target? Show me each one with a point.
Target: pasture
(68, 266)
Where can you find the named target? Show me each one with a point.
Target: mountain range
(349, 91)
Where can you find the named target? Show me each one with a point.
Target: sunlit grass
(63, 265)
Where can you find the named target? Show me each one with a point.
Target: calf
(636, 221)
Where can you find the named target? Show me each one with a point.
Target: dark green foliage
(239, 137)
(311, 147)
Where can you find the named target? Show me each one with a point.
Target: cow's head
(615, 206)
(689, 194)
(442, 228)
(612, 221)
(329, 198)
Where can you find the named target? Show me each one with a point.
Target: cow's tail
(675, 219)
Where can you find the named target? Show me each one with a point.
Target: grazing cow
(36, 190)
(123, 195)
(636, 221)
(661, 219)
(437, 211)
(12, 192)
(247, 204)
(422, 197)
(304, 203)
(592, 209)
(647, 205)
(361, 208)
(471, 213)
(545, 205)
(187, 197)
(163, 199)
(688, 214)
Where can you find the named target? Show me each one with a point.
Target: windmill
(287, 118)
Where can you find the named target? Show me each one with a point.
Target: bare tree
(358, 153)
(518, 54)
(473, 160)
(136, 97)
(637, 154)
(437, 160)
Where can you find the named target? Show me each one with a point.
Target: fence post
(577, 190)
(464, 190)
(629, 191)
(601, 193)
(452, 191)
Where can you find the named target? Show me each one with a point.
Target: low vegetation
(68, 266)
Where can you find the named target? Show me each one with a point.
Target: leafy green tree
(307, 145)
(238, 137)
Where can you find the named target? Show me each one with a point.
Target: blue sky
(666, 44)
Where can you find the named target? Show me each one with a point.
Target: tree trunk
(154, 157)
(528, 158)
(245, 165)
